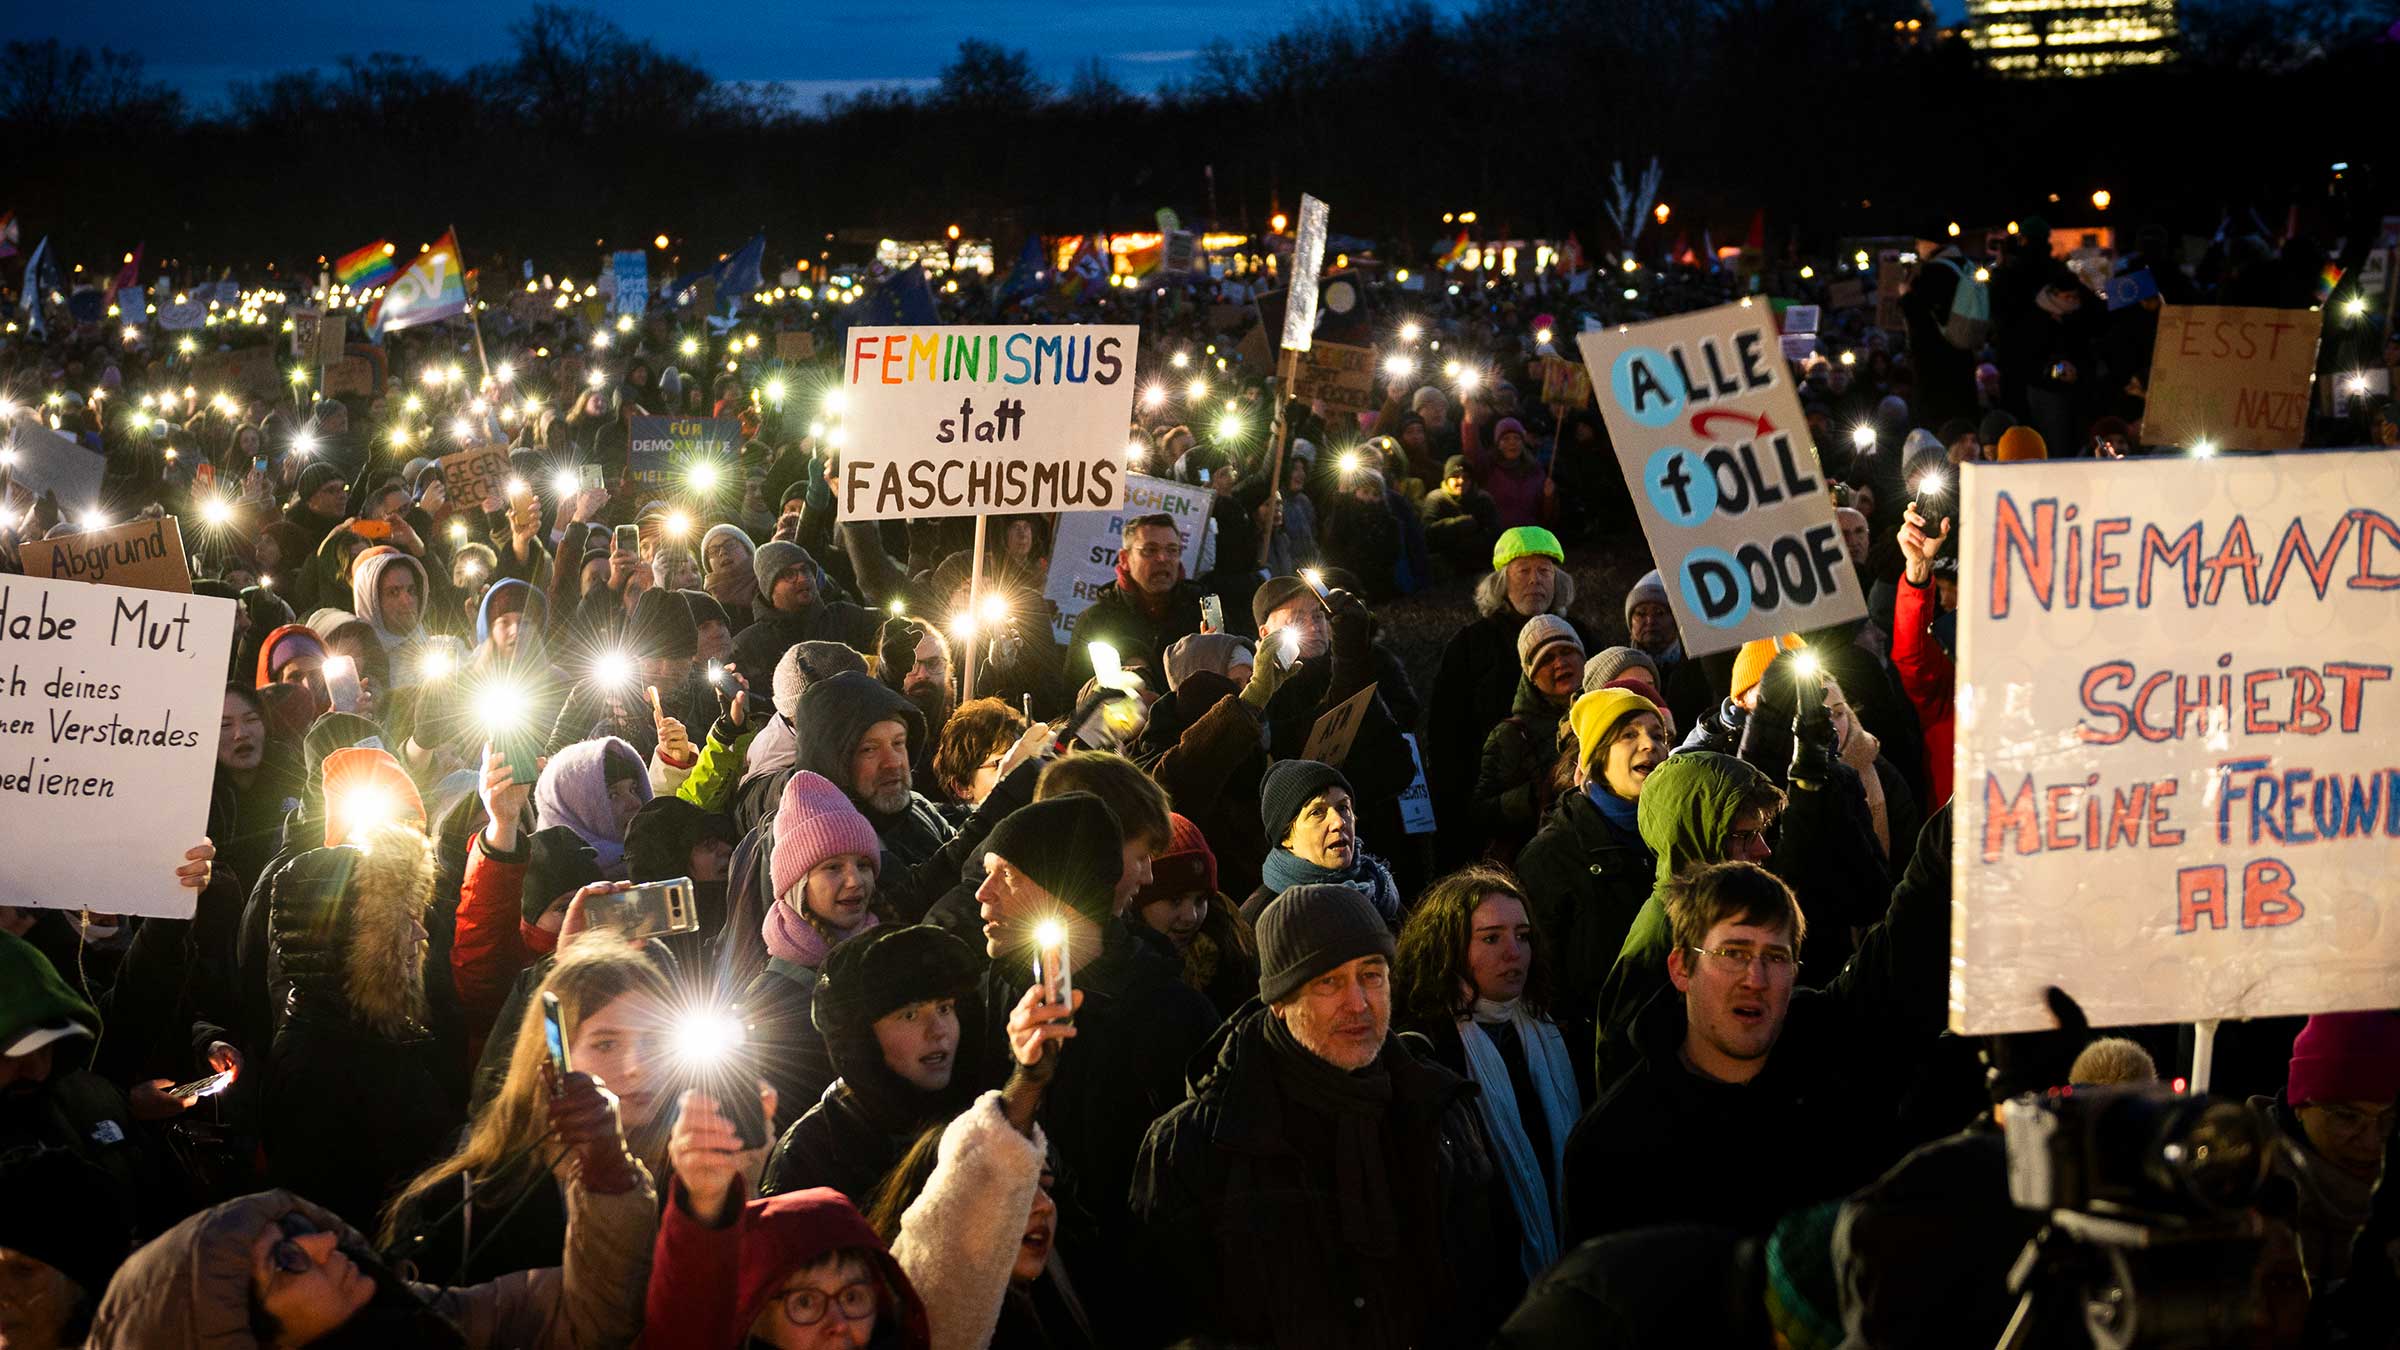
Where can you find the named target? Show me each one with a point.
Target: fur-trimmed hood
(1491, 594)
(347, 932)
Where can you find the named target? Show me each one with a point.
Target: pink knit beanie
(815, 822)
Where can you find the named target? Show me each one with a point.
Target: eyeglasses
(807, 1307)
(2354, 1123)
(288, 1255)
(1778, 961)
(1757, 837)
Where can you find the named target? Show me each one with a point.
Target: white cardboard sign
(1083, 559)
(962, 421)
(1709, 433)
(108, 703)
(2175, 787)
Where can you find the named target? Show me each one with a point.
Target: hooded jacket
(356, 1098)
(366, 600)
(1473, 688)
(191, 1285)
(1928, 676)
(573, 791)
(1240, 1227)
(707, 1285)
(1651, 1151)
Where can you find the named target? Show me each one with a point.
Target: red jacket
(1928, 676)
(707, 1285)
(487, 950)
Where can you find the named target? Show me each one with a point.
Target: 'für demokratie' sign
(963, 421)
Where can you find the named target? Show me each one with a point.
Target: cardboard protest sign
(1308, 259)
(1565, 383)
(2234, 376)
(2174, 782)
(306, 320)
(1847, 293)
(796, 345)
(1083, 557)
(1891, 283)
(1340, 376)
(1709, 432)
(1329, 740)
(333, 338)
(249, 369)
(182, 316)
(961, 421)
(661, 448)
(471, 476)
(108, 700)
(40, 460)
(141, 554)
(350, 375)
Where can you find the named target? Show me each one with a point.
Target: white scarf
(1553, 1075)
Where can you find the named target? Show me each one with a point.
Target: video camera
(2150, 1240)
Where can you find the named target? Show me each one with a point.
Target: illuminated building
(2041, 38)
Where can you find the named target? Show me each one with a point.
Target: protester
(1142, 612)
(1512, 790)
(1308, 809)
(1211, 938)
(2337, 1111)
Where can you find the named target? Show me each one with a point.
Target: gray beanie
(776, 557)
(1652, 588)
(1286, 789)
(1217, 653)
(805, 663)
(1309, 930)
(1610, 662)
(1540, 634)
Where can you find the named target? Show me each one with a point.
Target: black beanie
(883, 970)
(1286, 789)
(1071, 845)
(704, 608)
(560, 863)
(318, 476)
(662, 628)
(1309, 930)
(661, 836)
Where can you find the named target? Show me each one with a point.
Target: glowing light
(1277, 223)
(399, 438)
(1931, 483)
(624, 323)
(1953, 227)
(366, 807)
(1050, 934)
(679, 523)
(1849, 358)
(1542, 336)
(1807, 273)
(299, 376)
(1348, 463)
(1468, 378)
(1134, 450)
(502, 707)
(412, 404)
(1806, 665)
(612, 670)
(1862, 436)
(2204, 448)
(704, 1037)
(1399, 367)
(505, 373)
(437, 664)
(216, 510)
(690, 347)
(2355, 306)
(1180, 360)
(836, 402)
(659, 242)
(514, 487)
(598, 379)
(1229, 427)
(1410, 331)
(458, 530)
(1629, 265)
(304, 442)
(599, 340)
(774, 389)
(565, 483)
(1107, 668)
(2101, 199)
(1660, 212)
(1154, 395)
(993, 611)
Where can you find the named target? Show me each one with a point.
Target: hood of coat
(836, 711)
(1688, 806)
(1491, 595)
(794, 1230)
(191, 1284)
(366, 601)
(347, 930)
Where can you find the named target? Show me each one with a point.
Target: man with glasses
(1753, 1096)
(2337, 1108)
(1144, 611)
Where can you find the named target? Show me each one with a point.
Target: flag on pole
(128, 276)
(1459, 249)
(1571, 257)
(31, 301)
(1027, 276)
(8, 234)
(432, 287)
(369, 266)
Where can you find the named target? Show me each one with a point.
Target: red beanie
(2346, 1057)
(1188, 864)
(816, 822)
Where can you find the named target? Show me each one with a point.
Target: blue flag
(736, 277)
(2132, 289)
(1029, 275)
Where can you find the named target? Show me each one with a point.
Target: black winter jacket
(1585, 883)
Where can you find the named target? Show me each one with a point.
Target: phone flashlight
(1051, 968)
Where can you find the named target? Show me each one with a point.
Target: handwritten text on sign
(964, 421)
(2177, 790)
(107, 697)
(1712, 442)
(1083, 561)
(2236, 377)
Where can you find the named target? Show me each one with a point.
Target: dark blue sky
(819, 46)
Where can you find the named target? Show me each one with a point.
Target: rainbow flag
(432, 287)
(369, 266)
(2327, 280)
(1457, 251)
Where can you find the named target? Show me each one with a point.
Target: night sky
(816, 46)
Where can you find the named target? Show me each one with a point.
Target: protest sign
(141, 554)
(660, 448)
(1847, 293)
(1329, 740)
(796, 345)
(1182, 252)
(630, 269)
(350, 375)
(1565, 383)
(961, 421)
(1891, 283)
(1308, 259)
(306, 320)
(1416, 804)
(1798, 346)
(40, 460)
(2235, 377)
(107, 748)
(470, 477)
(1083, 558)
(248, 369)
(1709, 433)
(333, 337)
(2175, 788)
(1340, 376)
(1800, 319)
(181, 316)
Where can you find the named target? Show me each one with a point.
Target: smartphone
(587, 477)
(743, 1110)
(1212, 614)
(628, 539)
(201, 1087)
(258, 464)
(523, 754)
(660, 908)
(371, 529)
(1054, 973)
(554, 1034)
(341, 683)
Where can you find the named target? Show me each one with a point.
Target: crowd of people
(1030, 993)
